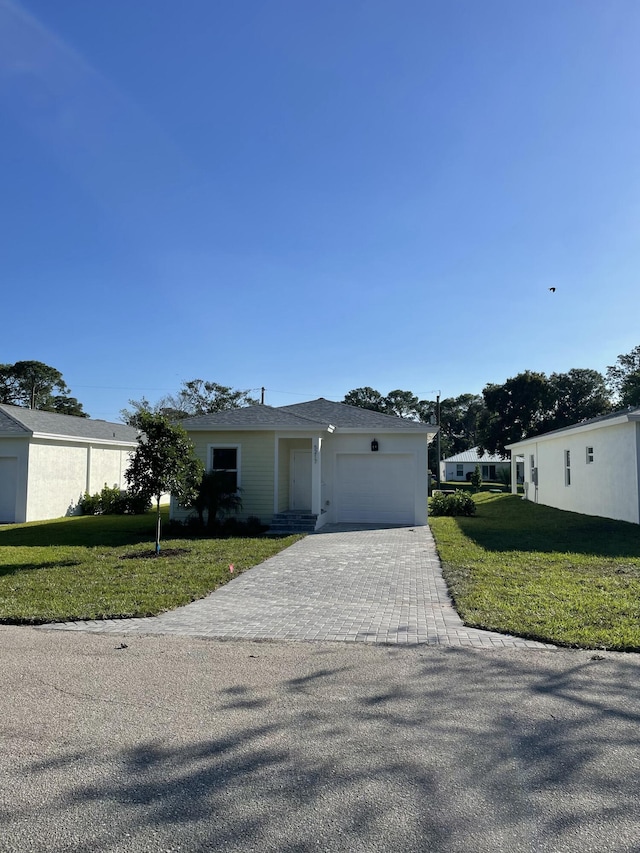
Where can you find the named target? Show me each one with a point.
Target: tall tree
(458, 423)
(513, 411)
(578, 395)
(366, 398)
(623, 378)
(195, 397)
(532, 403)
(31, 384)
(164, 461)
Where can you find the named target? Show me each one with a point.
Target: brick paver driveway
(358, 584)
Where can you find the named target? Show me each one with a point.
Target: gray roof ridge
(5, 406)
(349, 406)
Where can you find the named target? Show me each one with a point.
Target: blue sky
(316, 196)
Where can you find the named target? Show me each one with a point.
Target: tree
(366, 398)
(578, 395)
(405, 404)
(513, 411)
(458, 423)
(195, 397)
(532, 403)
(476, 479)
(623, 378)
(31, 384)
(164, 461)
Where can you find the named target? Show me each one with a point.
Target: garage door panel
(376, 488)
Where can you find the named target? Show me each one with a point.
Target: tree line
(525, 405)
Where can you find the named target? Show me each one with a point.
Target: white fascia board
(312, 430)
(428, 430)
(76, 439)
(578, 428)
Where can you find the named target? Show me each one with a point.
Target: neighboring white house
(462, 465)
(48, 461)
(592, 467)
(328, 461)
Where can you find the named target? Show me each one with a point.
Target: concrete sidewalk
(344, 583)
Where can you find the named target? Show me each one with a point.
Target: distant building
(461, 466)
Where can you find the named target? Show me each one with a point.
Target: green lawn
(526, 569)
(96, 567)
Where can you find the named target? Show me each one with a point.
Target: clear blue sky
(315, 196)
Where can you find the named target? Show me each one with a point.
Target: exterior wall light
(374, 445)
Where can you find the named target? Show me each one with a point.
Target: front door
(300, 484)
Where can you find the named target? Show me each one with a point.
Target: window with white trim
(225, 459)
(567, 467)
(589, 455)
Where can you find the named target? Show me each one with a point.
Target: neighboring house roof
(315, 414)
(16, 421)
(620, 417)
(473, 455)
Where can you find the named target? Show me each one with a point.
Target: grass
(530, 570)
(98, 567)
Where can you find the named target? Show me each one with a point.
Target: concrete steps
(293, 522)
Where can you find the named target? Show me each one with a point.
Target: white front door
(300, 483)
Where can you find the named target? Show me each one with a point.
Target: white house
(48, 461)
(326, 461)
(462, 465)
(592, 467)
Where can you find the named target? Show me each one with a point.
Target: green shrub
(112, 501)
(459, 503)
(476, 479)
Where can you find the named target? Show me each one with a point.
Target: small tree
(164, 461)
(476, 479)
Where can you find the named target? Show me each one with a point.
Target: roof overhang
(588, 426)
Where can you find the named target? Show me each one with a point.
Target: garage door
(8, 487)
(376, 488)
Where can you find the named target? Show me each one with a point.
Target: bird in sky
(552, 289)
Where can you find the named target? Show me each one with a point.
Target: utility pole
(438, 440)
(262, 396)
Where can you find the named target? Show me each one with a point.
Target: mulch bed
(164, 552)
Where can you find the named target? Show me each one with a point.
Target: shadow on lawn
(508, 523)
(458, 751)
(85, 530)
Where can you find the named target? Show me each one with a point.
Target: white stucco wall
(60, 473)
(608, 487)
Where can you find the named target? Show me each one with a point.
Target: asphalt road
(176, 744)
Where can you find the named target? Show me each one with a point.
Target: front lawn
(99, 567)
(521, 568)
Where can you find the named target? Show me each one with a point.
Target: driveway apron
(344, 583)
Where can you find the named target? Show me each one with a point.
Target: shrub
(112, 501)
(459, 503)
(476, 479)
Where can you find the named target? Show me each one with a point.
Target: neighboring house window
(567, 467)
(485, 472)
(459, 471)
(589, 455)
(226, 460)
(532, 465)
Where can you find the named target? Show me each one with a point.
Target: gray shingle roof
(318, 413)
(17, 421)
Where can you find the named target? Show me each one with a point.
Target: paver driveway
(342, 583)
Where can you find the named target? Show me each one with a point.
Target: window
(567, 467)
(485, 472)
(589, 455)
(459, 470)
(225, 459)
(532, 466)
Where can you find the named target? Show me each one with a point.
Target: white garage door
(376, 488)
(8, 487)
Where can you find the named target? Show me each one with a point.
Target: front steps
(292, 522)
